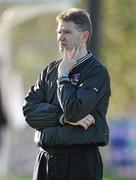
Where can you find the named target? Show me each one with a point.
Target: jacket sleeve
(38, 113)
(73, 135)
(76, 103)
(97, 133)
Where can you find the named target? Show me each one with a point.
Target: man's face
(68, 36)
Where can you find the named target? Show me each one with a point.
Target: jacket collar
(84, 58)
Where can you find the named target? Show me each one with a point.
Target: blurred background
(28, 44)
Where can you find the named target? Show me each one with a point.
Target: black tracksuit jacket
(86, 91)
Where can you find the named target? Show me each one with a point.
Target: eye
(58, 32)
(67, 32)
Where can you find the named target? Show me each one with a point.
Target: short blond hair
(79, 16)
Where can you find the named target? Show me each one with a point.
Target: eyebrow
(64, 30)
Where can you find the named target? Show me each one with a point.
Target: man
(68, 105)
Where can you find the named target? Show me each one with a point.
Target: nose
(61, 37)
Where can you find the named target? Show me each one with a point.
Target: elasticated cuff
(61, 120)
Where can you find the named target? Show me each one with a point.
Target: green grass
(20, 178)
(30, 178)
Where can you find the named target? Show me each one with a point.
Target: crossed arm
(40, 115)
(76, 105)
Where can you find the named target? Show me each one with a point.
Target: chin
(61, 49)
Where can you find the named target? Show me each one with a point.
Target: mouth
(62, 45)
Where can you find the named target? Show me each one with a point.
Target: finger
(74, 52)
(93, 121)
(88, 119)
(69, 53)
(87, 122)
(91, 118)
(65, 52)
(74, 49)
(84, 125)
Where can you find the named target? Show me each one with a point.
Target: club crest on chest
(75, 79)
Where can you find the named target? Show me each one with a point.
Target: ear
(85, 36)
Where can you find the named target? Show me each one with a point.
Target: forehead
(63, 25)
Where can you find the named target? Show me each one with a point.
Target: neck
(83, 52)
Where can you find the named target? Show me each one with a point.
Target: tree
(94, 9)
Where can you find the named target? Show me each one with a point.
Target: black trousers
(85, 165)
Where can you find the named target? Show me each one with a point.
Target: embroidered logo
(75, 79)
